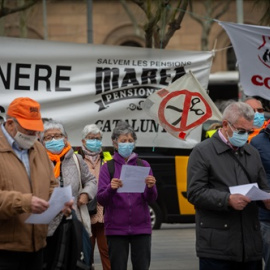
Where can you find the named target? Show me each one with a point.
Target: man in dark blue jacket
(262, 143)
(227, 226)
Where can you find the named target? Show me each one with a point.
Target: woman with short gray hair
(127, 217)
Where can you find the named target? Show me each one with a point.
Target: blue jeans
(119, 251)
(265, 230)
(214, 264)
(13, 260)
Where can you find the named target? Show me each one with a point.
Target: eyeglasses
(240, 131)
(93, 138)
(259, 110)
(53, 136)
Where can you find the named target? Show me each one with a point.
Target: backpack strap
(139, 162)
(111, 168)
(78, 167)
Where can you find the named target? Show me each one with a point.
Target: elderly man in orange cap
(26, 180)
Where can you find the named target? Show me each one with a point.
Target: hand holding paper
(251, 191)
(60, 199)
(150, 181)
(38, 205)
(133, 179)
(238, 201)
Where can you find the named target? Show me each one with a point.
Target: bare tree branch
(175, 23)
(193, 15)
(211, 7)
(6, 10)
(265, 5)
(165, 19)
(129, 13)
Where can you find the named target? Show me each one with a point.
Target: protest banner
(251, 44)
(80, 84)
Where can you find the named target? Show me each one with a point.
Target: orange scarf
(57, 159)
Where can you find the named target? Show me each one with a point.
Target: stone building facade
(66, 20)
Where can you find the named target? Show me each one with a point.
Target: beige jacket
(94, 168)
(16, 194)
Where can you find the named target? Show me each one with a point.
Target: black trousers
(140, 251)
(13, 260)
(213, 264)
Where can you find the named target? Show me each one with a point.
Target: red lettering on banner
(256, 79)
(260, 81)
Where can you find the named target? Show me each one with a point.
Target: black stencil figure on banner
(266, 56)
(194, 101)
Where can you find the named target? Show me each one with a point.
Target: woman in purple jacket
(127, 218)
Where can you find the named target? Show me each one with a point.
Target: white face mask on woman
(25, 141)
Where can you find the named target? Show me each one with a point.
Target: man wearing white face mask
(227, 225)
(26, 180)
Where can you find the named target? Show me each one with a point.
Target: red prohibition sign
(186, 110)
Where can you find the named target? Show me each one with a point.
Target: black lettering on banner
(19, 75)
(109, 78)
(2, 109)
(139, 125)
(104, 78)
(45, 78)
(59, 77)
(164, 76)
(130, 78)
(149, 74)
(180, 71)
(124, 94)
(6, 81)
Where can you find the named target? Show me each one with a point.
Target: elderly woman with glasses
(69, 169)
(127, 218)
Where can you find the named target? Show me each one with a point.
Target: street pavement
(173, 248)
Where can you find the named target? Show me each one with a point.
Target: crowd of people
(35, 158)
(232, 229)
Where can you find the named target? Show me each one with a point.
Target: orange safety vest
(257, 130)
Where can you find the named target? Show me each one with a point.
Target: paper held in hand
(59, 197)
(133, 178)
(251, 191)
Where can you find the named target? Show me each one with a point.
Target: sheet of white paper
(242, 189)
(133, 178)
(256, 194)
(59, 197)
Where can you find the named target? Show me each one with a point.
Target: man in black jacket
(227, 225)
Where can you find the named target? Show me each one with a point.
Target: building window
(131, 43)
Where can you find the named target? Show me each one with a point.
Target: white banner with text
(251, 44)
(80, 84)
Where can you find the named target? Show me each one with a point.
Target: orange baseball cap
(27, 112)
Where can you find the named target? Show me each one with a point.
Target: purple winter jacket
(125, 213)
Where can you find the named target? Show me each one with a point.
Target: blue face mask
(125, 149)
(238, 140)
(93, 145)
(258, 119)
(55, 146)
